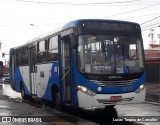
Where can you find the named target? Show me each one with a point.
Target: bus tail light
(141, 87)
(86, 90)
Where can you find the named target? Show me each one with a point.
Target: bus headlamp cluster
(141, 87)
(86, 90)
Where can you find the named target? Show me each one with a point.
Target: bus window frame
(42, 54)
(18, 53)
(25, 55)
(53, 50)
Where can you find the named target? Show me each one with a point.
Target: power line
(151, 27)
(151, 14)
(150, 20)
(132, 11)
(157, 23)
(71, 3)
(74, 3)
(141, 20)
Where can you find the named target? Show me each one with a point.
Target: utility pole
(159, 40)
(151, 35)
(0, 45)
(38, 27)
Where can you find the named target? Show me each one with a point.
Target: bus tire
(55, 97)
(23, 92)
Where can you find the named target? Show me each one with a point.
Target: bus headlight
(86, 90)
(141, 87)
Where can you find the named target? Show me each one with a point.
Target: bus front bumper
(86, 101)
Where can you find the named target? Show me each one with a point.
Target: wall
(153, 71)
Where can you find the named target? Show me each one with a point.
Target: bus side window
(24, 54)
(42, 52)
(53, 49)
(18, 57)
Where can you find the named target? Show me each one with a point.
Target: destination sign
(110, 26)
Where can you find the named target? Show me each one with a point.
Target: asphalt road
(14, 110)
(18, 111)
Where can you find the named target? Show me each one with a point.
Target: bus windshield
(106, 54)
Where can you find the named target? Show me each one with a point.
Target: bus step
(68, 105)
(34, 96)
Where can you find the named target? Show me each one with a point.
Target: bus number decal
(127, 88)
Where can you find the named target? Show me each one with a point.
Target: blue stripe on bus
(79, 79)
(54, 79)
(18, 79)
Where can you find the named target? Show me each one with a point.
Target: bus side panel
(21, 77)
(11, 77)
(52, 80)
(41, 79)
(18, 79)
(24, 73)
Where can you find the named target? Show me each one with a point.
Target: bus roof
(76, 22)
(73, 23)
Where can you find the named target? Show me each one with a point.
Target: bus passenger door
(65, 79)
(33, 70)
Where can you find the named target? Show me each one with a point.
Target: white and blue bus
(79, 66)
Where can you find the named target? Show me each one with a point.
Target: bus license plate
(115, 98)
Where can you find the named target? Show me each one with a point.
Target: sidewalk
(153, 88)
(153, 92)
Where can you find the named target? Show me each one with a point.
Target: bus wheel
(55, 97)
(23, 92)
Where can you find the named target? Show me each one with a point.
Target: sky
(16, 17)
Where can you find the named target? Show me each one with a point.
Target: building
(152, 61)
(154, 47)
(5, 69)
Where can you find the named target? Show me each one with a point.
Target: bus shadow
(100, 116)
(105, 116)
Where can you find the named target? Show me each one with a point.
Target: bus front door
(33, 70)
(66, 76)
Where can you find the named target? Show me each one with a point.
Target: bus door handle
(65, 68)
(35, 69)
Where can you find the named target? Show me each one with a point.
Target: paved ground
(153, 92)
(12, 106)
(153, 88)
(18, 111)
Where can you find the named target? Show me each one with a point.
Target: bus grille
(114, 83)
